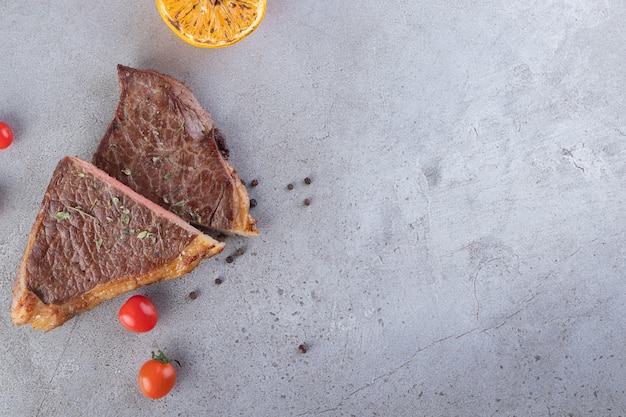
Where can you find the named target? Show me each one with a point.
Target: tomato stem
(160, 357)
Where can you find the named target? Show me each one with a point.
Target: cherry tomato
(157, 376)
(6, 135)
(138, 314)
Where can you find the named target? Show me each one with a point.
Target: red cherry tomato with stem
(6, 136)
(157, 376)
(138, 314)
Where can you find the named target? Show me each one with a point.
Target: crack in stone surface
(525, 303)
(56, 368)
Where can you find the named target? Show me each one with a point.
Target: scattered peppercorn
(302, 349)
(193, 295)
(218, 281)
(240, 251)
(307, 180)
(252, 202)
(306, 201)
(254, 182)
(229, 259)
(290, 186)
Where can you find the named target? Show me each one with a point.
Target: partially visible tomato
(138, 314)
(157, 376)
(6, 135)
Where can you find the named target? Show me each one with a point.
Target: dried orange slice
(212, 23)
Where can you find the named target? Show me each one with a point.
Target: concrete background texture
(464, 250)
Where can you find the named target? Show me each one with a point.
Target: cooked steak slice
(94, 239)
(163, 144)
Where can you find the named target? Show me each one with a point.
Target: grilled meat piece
(94, 239)
(163, 144)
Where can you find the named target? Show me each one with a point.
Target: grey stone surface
(464, 250)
